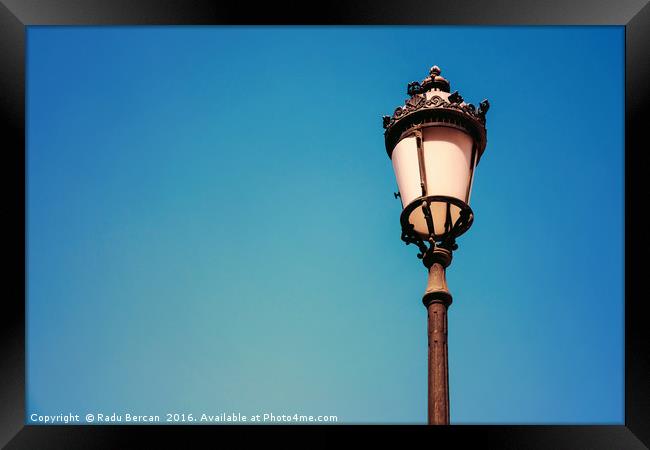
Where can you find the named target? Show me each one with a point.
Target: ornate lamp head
(435, 140)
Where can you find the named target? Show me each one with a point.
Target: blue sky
(211, 225)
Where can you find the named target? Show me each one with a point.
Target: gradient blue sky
(211, 225)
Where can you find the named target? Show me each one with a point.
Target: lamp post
(435, 141)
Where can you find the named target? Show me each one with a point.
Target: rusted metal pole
(437, 300)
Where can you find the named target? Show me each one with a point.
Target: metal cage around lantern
(435, 141)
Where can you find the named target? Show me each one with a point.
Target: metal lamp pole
(437, 300)
(435, 141)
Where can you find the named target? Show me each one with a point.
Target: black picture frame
(15, 15)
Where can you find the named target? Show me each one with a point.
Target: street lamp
(435, 141)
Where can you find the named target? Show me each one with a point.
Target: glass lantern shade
(436, 162)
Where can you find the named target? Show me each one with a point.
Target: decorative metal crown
(419, 110)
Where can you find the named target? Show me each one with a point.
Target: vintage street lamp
(435, 142)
